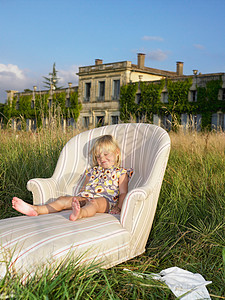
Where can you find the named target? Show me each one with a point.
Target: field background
(188, 229)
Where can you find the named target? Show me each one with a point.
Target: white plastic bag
(184, 284)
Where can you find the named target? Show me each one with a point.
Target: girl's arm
(123, 190)
(85, 182)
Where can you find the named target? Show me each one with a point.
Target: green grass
(188, 229)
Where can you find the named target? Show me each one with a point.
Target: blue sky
(36, 33)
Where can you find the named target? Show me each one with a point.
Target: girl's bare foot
(75, 209)
(23, 207)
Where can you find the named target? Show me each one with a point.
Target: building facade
(99, 93)
(99, 87)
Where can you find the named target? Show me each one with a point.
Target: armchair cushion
(28, 242)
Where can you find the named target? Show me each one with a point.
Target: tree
(52, 80)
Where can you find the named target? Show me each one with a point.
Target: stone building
(31, 124)
(99, 87)
(99, 92)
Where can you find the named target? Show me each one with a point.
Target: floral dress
(104, 183)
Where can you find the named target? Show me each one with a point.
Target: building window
(194, 96)
(33, 124)
(166, 122)
(164, 97)
(87, 92)
(86, 122)
(223, 95)
(68, 104)
(194, 122)
(18, 124)
(49, 103)
(71, 122)
(99, 121)
(17, 105)
(101, 91)
(191, 122)
(116, 90)
(138, 98)
(220, 121)
(32, 104)
(115, 120)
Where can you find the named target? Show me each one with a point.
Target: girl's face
(106, 158)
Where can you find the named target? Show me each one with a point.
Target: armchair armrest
(135, 201)
(44, 190)
(132, 204)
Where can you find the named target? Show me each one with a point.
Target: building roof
(119, 66)
(153, 71)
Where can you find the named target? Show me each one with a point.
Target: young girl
(104, 189)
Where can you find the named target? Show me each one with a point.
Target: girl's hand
(115, 210)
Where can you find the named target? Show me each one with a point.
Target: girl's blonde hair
(108, 143)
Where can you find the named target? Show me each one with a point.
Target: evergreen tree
(53, 79)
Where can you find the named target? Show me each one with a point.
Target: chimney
(141, 60)
(180, 65)
(98, 62)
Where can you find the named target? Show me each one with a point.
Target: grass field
(188, 229)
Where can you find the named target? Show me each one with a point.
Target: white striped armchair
(105, 238)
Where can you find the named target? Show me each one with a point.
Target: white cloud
(68, 76)
(158, 55)
(10, 71)
(152, 38)
(199, 46)
(14, 78)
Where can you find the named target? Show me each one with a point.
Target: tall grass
(24, 156)
(188, 229)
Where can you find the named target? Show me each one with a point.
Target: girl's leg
(34, 210)
(98, 205)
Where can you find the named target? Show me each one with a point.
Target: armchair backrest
(140, 144)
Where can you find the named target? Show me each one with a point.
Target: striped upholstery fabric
(31, 241)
